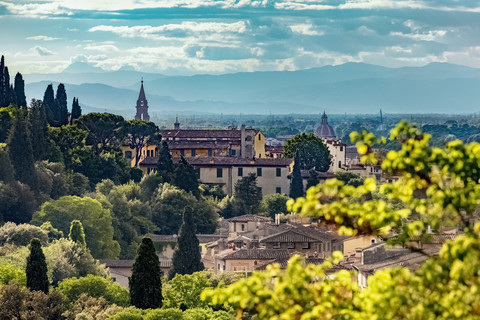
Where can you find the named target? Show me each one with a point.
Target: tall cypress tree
(185, 177)
(77, 234)
(296, 184)
(39, 129)
(6, 168)
(186, 258)
(19, 146)
(313, 179)
(61, 101)
(36, 270)
(6, 88)
(165, 163)
(3, 90)
(21, 100)
(146, 280)
(76, 110)
(50, 106)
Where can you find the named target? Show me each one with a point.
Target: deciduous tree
(312, 152)
(247, 195)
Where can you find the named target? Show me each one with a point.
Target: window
(339, 164)
(279, 172)
(259, 137)
(259, 172)
(223, 267)
(233, 152)
(219, 172)
(210, 153)
(341, 148)
(291, 245)
(373, 241)
(243, 227)
(193, 152)
(182, 152)
(276, 245)
(128, 154)
(218, 266)
(278, 190)
(306, 245)
(240, 172)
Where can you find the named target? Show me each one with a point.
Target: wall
(350, 244)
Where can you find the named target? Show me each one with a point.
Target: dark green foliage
(21, 100)
(138, 134)
(76, 110)
(20, 150)
(3, 102)
(51, 108)
(5, 123)
(146, 280)
(350, 178)
(274, 204)
(17, 202)
(186, 258)
(22, 234)
(52, 233)
(296, 184)
(36, 270)
(165, 164)
(39, 129)
(311, 151)
(6, 169)
(101, 128)
(185, 177)
(247, 196)
(77, 234)
(227, 208)
(135, 174)
(313, 179)
(61, 101)
(212, 190)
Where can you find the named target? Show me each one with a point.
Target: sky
(184, 37)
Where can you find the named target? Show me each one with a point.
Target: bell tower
(142, 106)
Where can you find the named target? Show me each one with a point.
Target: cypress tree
(21, 100)
(36, 270)
(77, 234)
(313, 179)
(6, 168)
(296, 185)
(19, 146)
(11, 98)
(185, 177)
(247, 196)
(76, 110)
(146, 280)
(186, 258)
(61, 102)
(50, 106)
(165, 164)
(39, 129)
(3, 90)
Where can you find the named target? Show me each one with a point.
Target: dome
(324, 130)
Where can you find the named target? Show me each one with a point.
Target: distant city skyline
(184, 37)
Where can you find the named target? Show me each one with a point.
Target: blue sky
(183, 37)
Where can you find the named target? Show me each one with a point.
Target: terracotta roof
(206, 238)
(254, 254)
(321, 175)
(284, 262)
(274, 149)
(299, 233)
(202, 238)
(250, 217)
(189, 144)
(227, 161)
(164, 263)
(204, 133)
(432, 238)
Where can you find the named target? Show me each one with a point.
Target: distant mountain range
(347, 88)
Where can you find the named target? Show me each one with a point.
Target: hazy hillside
(351, 88)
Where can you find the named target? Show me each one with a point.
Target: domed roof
(324, 130)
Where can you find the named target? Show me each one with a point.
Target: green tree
(51, 108)
(76, 110)
(9, 273)
(39, 129)
(186, 258)
(96, 287)
(165, 164)
(61, 101)
(36, 269)
(19, 146)
(96, 221)
(247, 196)
(313, 179)
(21, 100)
(183, 291)
(146, 280)
(86, 307)
(274, 204)
(138, 134)
(185, 177)
(312, 152)
(6, 119)
(101, 127)
(7, 173)
(21, 234)
(350, 178)
(77, 234)
(296, 183)
(52, 233)
(17, 202)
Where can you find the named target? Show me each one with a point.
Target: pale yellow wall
(259, 145)
(360, 242)
(242, 265)
(151, 150)
(338, 154)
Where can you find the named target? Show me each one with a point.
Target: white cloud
(305, 29)
(41, 51)
(102, 48)
(42, 38)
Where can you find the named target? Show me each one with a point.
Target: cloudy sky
(180, 37)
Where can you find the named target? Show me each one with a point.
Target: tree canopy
(311, 150)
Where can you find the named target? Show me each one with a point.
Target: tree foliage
(438, 187)
(9, 273)
(101, 128)
(186, 258)
(146, 283)
(247, 195)
(311, 150)
(77, 234)
(274, 204)
(36, 270)
(185, 177)
(138, 134)
(22, 234)
(296, 183)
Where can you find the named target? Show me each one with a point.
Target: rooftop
(254, 254)
(227, 162)
(250, 217)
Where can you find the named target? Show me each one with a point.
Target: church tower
(142, 106)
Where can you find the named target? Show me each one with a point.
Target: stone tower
(142, 106)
